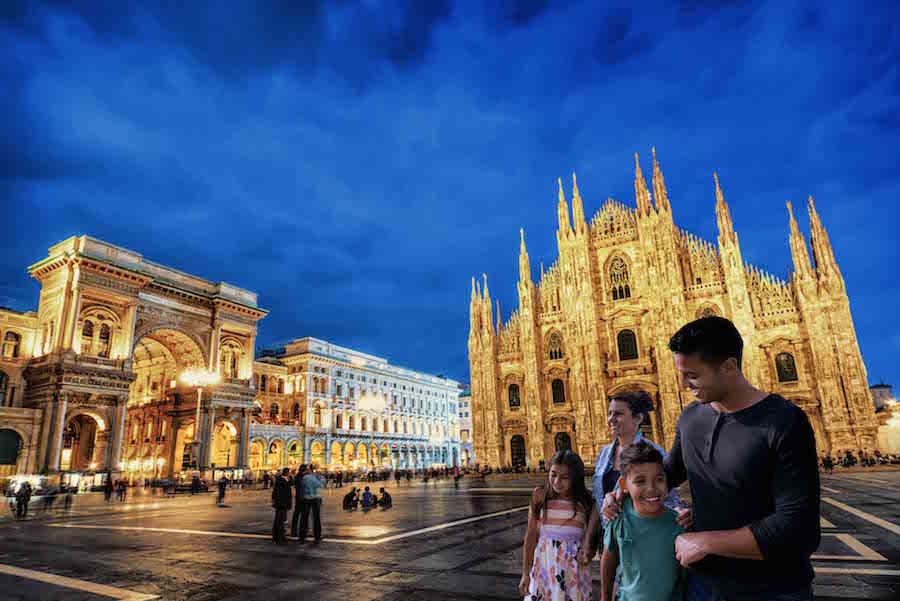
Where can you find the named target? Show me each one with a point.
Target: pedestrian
(644, 532)
(312, 503)
(108, 488)
(349, 498)
(557, 518)
(23, 496)
(266, 479)
(298, 493)
(751, 461)
(366, 499)
(385, 500)
(223, 482)
(281, 501)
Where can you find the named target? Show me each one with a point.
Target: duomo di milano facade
(599, 320)
(91, 382)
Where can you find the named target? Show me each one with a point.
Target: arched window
(555, 346)
(318, 417)
(627, 345)
(559, 391)
(707, 312)
(273, 410)
(104, 341)
(375, 425)
(87, 337)
(395, 426)
(618, 279)
(517, 450)
(787, 369)
(339, 421)
(233, 367)
(280, 386)
(295, 411)
(364, 423)
(562, 441)
(4, 386)
(514, 395)
(352, 423)
(386, 424)
(11, 345)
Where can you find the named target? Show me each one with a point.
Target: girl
(556, 524)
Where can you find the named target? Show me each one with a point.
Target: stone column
(128, 333)
(209, 429)
(59, 420)
(74, 309)
(214, 344)
(247, 368)
(245, 438)
(118, 433)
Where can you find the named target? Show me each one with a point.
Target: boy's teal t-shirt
(646, 551)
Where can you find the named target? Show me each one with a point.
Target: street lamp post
(201, 378)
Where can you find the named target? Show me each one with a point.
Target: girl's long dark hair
(580, 495)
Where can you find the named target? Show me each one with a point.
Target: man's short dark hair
(636, 454)
(714, 339)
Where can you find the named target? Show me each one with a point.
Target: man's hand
(690, 548)
(584, 556)
(524, 583)
(685, 517)
(612, 504)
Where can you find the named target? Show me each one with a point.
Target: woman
(627, 411)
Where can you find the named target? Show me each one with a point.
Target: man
(751, 461)
(281, 501)
(23, 496)
(298, 494)
(385, 500)
(223, 482)
(349, 501)
(312, 502)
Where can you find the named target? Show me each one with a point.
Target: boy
(642, 537)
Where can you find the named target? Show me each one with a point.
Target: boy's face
(646, 484)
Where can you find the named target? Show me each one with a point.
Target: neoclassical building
(92, 382)
(599, 320)
(337, 407)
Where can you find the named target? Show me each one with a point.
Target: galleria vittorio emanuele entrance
(112, 338)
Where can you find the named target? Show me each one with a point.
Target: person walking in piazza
(222, 483)
(298, 499)
(281, 501)
(557, 518)
(23, 496)
(627, 411)
(751, 461)
(108, 488)
(312, 503)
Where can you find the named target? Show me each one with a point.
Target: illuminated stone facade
(91, 383)
(340, 408)
(599, 320)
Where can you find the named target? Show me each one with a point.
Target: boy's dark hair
(638, 401)
(367, 488)
(715, 339)
(636, 454)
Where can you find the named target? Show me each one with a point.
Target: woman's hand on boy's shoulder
(612, 504)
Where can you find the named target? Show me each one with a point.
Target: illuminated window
(618, 279)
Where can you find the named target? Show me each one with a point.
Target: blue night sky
(356, 163)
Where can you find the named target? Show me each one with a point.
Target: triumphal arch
(111, 338)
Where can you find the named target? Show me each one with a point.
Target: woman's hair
(580, 494)
(638, 401)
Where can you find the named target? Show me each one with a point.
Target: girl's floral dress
(555, 575)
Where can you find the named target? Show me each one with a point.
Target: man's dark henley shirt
(758, 468)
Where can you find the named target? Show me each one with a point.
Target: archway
(276, 453)
(562, 442)
(225, 445)
(11, 446)
(79, 442)
(349, 453)
(255, 454)
(159, 357)
(517, 450)
(317, 453)
(373, 454)
(183, 460)
(385, 458)
(337, 453)
(295, 454)
(362, 452)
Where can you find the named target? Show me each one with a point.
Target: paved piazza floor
(435, 543)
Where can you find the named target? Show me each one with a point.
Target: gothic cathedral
(600, 319)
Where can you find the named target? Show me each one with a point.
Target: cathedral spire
(641, 193)
(487, 312)
(524, 263)
(563, 210)
(723, 214)
(659, 186)
(802, 267)
(823, 254)
(498, 317)
(577, 208)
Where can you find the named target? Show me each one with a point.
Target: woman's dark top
(609, 480)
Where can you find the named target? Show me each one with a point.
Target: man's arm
(608, 564)
(793, 529)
